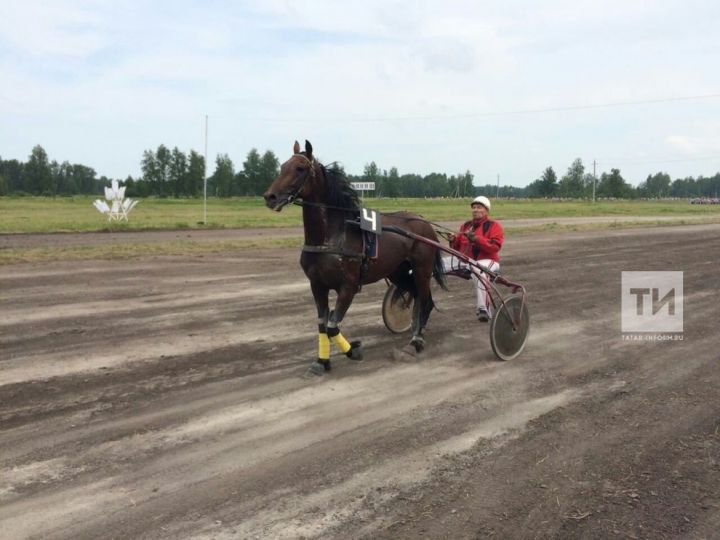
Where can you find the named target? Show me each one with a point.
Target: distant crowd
(705, 200)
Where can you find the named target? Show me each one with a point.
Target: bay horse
(333, 256)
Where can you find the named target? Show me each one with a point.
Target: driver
(480, 239)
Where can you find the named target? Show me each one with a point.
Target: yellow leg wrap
(341, 343)
(323, 347)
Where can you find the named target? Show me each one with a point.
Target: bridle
(311, 174)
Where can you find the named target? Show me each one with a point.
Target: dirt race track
(167, 398)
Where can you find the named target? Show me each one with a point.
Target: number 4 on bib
(370, 221)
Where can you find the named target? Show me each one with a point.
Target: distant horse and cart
(337, 254)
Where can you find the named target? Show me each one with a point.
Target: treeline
(40, 176)
(391, 184)
(165, 173)
(173, 173)
(257, 172)
(168, 173)
(577, 183)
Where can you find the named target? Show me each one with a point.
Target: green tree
(222, 178)
(391, 187)
(466, 188)
(655, 186)
(62, 177)
(140, 187)
(163, 157)
(269, 170)
(613, 185)
(412, 185)
(37, 176)
(253, 173)
(195, 179)
(436, 185)
(76, 179)
(242, 184)
(545, 186)
(12, 171)
(71, 179)
(151, 171)
(131, 187)
(548, 183)
(461, 185)
(371, 173)
(683, 187)
(533, 189)
(588, 181)
(85, 178)
(708, 186)
(572, 184)
(178, 170)
(156, 168)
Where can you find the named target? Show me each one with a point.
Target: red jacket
(488, 239)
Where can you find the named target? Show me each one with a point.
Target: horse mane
(339, 191)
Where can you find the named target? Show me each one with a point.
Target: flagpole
(205, 175)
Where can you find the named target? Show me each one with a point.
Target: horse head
(295, 179)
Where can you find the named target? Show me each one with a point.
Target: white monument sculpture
(117, 206)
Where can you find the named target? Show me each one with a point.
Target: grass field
(77, 214)
(42, 215)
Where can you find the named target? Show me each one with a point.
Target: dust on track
(166, 397)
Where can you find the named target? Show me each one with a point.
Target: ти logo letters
(652, 302)
(669, 299)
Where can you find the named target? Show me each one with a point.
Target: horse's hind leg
(421, 309)
(420, 316)
(352, 349)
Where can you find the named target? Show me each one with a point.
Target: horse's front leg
(345, 297)
(320, 294)
(328, 327)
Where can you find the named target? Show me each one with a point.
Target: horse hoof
(355, 352)
(319, 368)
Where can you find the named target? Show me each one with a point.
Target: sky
(494, 88)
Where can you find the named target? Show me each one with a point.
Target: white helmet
(481, 200)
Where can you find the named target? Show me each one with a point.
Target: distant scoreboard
(363, 186)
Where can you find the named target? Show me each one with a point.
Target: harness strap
(332, 250)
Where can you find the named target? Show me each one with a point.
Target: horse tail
(439, 270)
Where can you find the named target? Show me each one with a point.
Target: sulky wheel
(397, 310)
(508, 339)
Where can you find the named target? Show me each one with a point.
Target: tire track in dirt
(206, 446)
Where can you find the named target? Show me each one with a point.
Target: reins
(440, 229)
